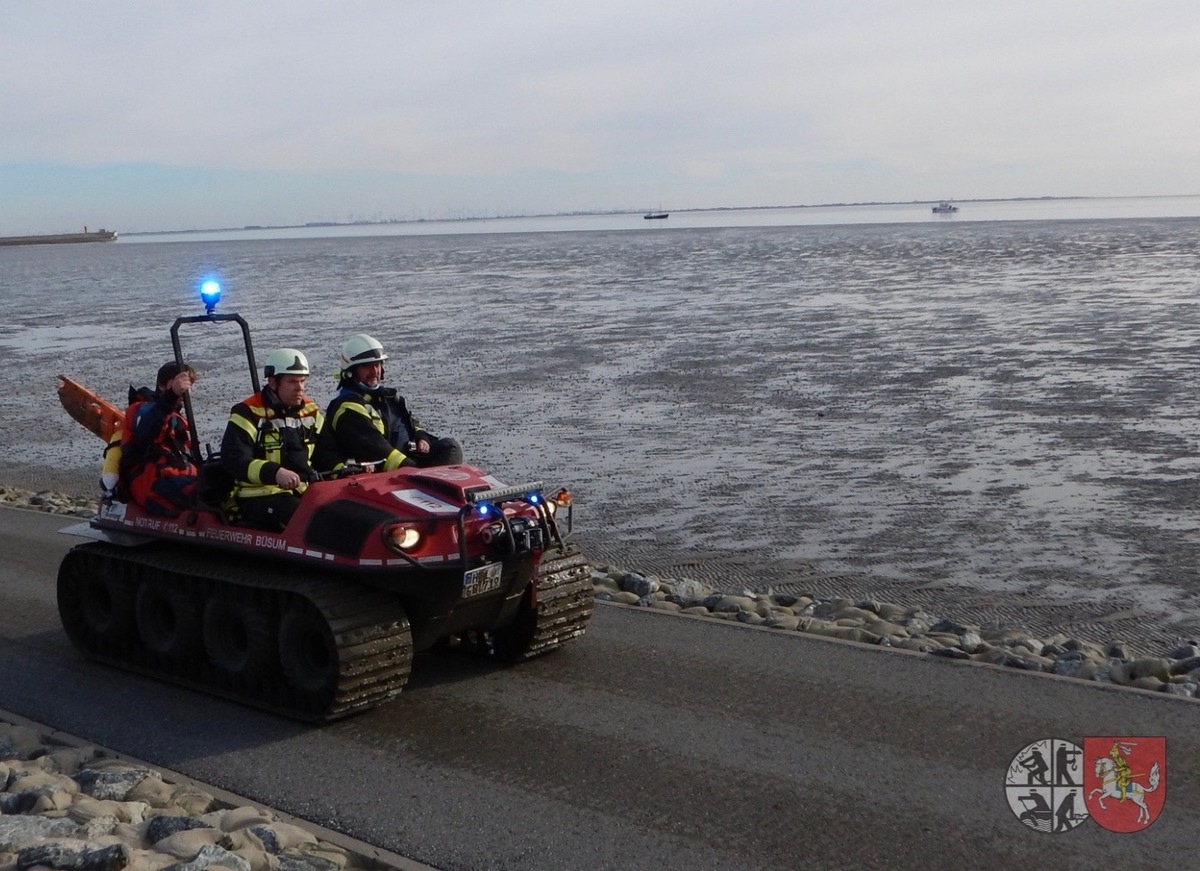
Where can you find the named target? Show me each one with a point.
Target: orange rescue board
(94, 412)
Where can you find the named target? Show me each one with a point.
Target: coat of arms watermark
(1054, 785)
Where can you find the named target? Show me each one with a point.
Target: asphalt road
(655, 741)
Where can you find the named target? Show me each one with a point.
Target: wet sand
(618, 534)
(998, 424)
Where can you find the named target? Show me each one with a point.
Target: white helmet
(361, 349)
(285, 361)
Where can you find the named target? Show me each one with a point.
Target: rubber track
(565, 600)
(370, 629)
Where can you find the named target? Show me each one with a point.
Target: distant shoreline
(460, 219)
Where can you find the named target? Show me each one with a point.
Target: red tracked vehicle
(321, 620)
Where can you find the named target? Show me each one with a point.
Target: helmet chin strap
(377, 390)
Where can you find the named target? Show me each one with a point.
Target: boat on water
(656, 216)
(61, 238)
(945, 208)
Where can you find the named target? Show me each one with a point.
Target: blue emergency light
(210, 293)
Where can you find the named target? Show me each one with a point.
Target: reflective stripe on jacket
(261, 437)
(362, 428)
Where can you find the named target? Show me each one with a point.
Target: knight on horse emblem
(1123, 774)
(1133, 772)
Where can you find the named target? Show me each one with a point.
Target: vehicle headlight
(402, 537)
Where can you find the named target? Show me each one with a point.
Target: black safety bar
(187, 397)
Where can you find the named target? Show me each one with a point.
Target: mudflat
(996, 422)
(862, 507)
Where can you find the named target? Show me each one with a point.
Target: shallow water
(1000, 412)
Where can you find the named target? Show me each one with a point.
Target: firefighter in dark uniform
(269, 442)
(370, 425)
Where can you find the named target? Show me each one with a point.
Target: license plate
(482, 580)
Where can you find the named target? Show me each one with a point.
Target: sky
(144, 115)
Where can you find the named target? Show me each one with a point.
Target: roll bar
(187, 397)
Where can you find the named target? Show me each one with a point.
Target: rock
(40, 780)
(162, 827)
(1155, 667)
(921, 645)
(846, 633)
(892, 613)
(114, 783)
(948, 626)
(1010, 659)
(18, 830)
(18, 742)
(1121, 673)
(971, 641)
(820, 610)
(68, 760)
(212, 855)
(153, 792)
(639, 584)
(687, 593)
(1022, 646)
(886, 628)
(1186, 665)
(286, 836)
(945, 639)
(300, 862)
(147, 860)
(1186, 651)
(323, 853)
(55, 854)
(46, 802)
(1116, 650)
(88, 808)
(782, 622)
(604, 583)
(732, 604)
(245, 844)
(950, 653)
(111, 858)
(1068, 667)
(188, 844)
(624, 598)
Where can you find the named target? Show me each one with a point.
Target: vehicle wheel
(238, 637)
(168, 619)
(307, 651)
(95, 601)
